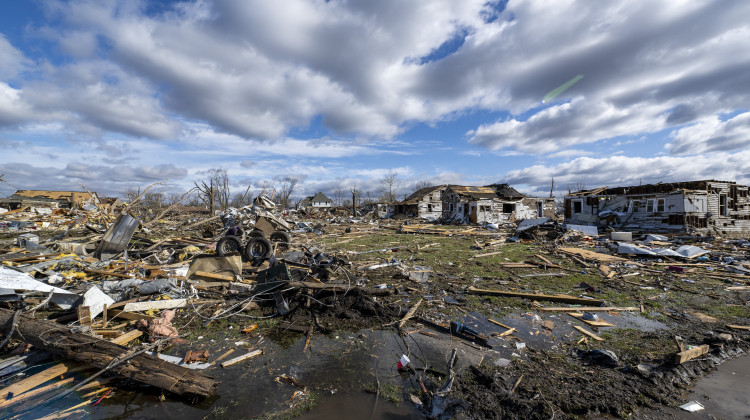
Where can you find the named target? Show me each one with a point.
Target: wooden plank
(127, 337)
(518, 265)
(84, 315)
(592, 323)
(690, 354)
(590, 308)
(588, 333)
(500, 324)
(591, 255)
(488, 254)
(246, 356)
(37, 379)
(39, 391)
(214, 276)
(551, 298)
(739, 327)
(227, 353)
(108, 273)
(155, 304)
(116, 313)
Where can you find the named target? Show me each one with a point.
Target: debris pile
(170, 300)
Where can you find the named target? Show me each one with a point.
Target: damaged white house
(702, 207)
(494, 203)
(425, 203)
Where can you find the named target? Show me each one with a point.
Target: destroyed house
(425, 203)
(492, 204)
(703, 207)
(40, 198)
(317, 200)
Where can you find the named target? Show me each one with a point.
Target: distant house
(41, 198)
(425, 203)
(317, 200)
(492, 204)
(703, 207)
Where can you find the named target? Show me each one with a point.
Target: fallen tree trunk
(59, 340)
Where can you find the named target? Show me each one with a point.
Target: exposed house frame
(703, 207)
(494, 203)
(41, 198)
(425, 203)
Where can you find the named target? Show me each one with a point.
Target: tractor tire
(256, 233)
(258, 249)
(228, 245)
(281, 236)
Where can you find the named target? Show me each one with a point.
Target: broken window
(660, 204)
(676, 219)
(429, 207)
(723, 205)
(577, 206)
(510, 207)
(484, 209)
(650, 205)
(539, 209)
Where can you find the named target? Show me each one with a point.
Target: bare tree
(285, 188)
(422, 184)
(239, 199)
(577, 186)
(338, 196)
(389, 183)
(354, 200)
(214, 191)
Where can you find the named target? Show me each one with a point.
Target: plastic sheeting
(11, 279)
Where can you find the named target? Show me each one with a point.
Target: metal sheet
(117, 237)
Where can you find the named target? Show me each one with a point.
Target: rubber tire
(281, 236)
(258, 249)
(256, 233)
(228, 245)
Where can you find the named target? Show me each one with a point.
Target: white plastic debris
(692, 406)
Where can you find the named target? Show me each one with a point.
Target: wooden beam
(108, 273)
(37, 379)
(245, 356)
(116, 313)
(690, 354)
(550, 298)
(592, 323)
(589, 308)
(739, 327)
(588, 333)
(127, 337)
(214, 276)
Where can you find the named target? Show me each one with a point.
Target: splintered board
(579, 317)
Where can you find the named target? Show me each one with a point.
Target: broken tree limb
(58, 339)
(551, 298)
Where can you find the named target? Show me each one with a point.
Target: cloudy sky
(120, 94)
